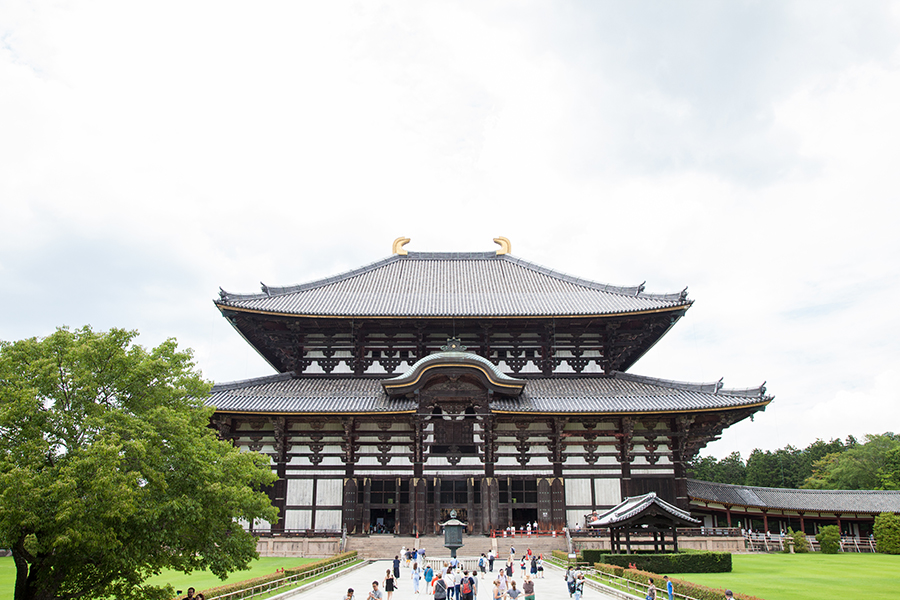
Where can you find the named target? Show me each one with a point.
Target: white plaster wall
(608, 492)
(575, 517)
(297, 519)
(299, 492)
(329, 492)
(578, 491)
(328, 519)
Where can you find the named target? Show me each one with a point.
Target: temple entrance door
(523, 516)
(383, 520)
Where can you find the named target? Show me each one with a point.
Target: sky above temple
(151, 153)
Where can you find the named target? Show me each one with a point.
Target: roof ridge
(710, 387)
(804, 490)
(269, 291)
(242, 383)
(634, 291)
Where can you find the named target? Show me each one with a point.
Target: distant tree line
(871, 464)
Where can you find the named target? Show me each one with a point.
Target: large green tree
(110, 473)
(866, 466)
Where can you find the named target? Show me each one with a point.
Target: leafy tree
(801, 544)
(889, 472)
(110, 473)
(730, 469)
(887, 533)
(829, 538)
(857, 468)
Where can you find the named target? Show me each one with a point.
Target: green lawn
(199, 580)
(814, 576)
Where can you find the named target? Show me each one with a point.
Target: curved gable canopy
(453, 360)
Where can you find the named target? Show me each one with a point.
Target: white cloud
(152, 154)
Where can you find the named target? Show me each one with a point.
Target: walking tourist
(513, 593)
(540, 565)
(651, 591)
(389, 584)
(491, 558)
(397, 566)
(440, 589)
(349, 595)
(467, 587)
(482, 564)
(416, 576)
(570, 581)
(428, 575)
(579, 587)
(528, 588)
(670, 589)
(497, 594)
(375, 594)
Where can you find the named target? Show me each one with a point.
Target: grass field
(816, 576)
(199, 580)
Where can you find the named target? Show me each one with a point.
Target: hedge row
(693, 590)
(679, 562)
(249, 583)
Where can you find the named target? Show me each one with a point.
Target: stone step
(388, 546)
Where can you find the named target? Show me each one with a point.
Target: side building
(479, 382)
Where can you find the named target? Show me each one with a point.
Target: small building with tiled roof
(480, 382)
(777, 509)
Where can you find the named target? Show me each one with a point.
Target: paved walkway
(553, 587)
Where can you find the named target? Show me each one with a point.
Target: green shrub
(681, 587)
(249, 583)
(679, 562)
(801, 544)
(829, 539)
(592, 556)
(887, 533)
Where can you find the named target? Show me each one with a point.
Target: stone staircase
(387, 546)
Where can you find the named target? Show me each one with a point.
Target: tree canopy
(110, 473)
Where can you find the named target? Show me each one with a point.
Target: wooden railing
(319, 533)
(289, 581)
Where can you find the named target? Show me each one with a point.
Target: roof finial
(398, 246)
(505, 245)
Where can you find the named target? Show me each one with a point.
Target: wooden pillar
(470, 505)
(350, 500)
(509, 502)
(802, 524)
(765, 522)
(728, 515)
(367, 504)
(838, 516)
(397, 512)
(545, 503)
(487, 484)
(558, 495)
(436, 517)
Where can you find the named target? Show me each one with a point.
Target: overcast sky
(151, 153)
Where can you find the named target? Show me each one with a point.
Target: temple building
(480, 382)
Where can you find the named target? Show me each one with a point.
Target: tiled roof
(285, 394)
(437, 284)
(843, 501)
(632, 507)
(622, 393)
(455, 358)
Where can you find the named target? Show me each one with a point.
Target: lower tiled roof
(284, 393)
(841, 501)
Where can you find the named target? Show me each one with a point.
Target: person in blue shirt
(670, 589)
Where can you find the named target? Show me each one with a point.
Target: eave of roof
(286, 394)
(459, 285)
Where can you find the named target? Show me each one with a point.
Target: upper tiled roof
(842, 501)
(438, 284)
(285, 394)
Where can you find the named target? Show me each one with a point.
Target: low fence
(318, 533)
(621, 584)
(523, 533)
(286, 582)
(760, 542)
